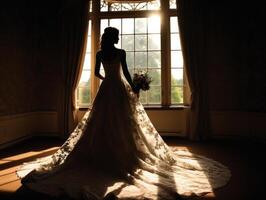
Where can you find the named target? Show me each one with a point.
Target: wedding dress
(116, 149)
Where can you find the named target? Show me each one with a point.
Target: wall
(18, 81)
(31, 71)
(18, 127)
(236, 70)
(237, 124)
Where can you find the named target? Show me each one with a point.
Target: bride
(115, 149)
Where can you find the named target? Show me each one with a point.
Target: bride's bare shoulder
(121, 52)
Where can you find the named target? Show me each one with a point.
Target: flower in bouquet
(142, 80)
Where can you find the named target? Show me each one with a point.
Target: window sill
(151, 107)
(160, 107)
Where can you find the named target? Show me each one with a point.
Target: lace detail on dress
(116, 149)
(49, 163)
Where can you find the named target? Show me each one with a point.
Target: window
(140, 38)
(176, 64)
(147, 48)
(114, 7)
(84, 87)
(172, 4)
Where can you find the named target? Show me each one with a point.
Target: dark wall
(17, 75)
(31, 59)
(236, 60)
(29, 56)
(47, 53)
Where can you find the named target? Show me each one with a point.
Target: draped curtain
(191, 21)
(74, 19)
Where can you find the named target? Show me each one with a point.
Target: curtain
(74, 19)
(191, 21)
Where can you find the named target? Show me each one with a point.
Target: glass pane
(130, 59)
(115, 7)
(88, 48)
(140, 42)
(116, 23)
(85, 77)
(155, 74)
(154, 42)
(140, 59)
(174, 25)
(87, 61)
(126, 6)
(154, 5)
(104, 24)
(154, 95)
(176, 59)
(172, 4)
(154, 24)
(102, 72)
(176, 77)
(118, 45)
(128, 42)
(141, 6)
(177, 95)
(140, 25)
(127, 25)
(89, 32)
(90, 6)
(134, 6)
(131, 71)
(104, 6)
(175, 42)
(154, 59)
(84, 95)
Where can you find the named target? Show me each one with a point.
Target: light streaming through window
(140, 38)
(84, 87)
(176, 64)
(113, 7)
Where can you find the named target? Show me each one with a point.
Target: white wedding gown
(115, 148)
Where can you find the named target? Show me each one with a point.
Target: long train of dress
(116, 149)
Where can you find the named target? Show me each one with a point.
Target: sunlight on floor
(9, 181)
(24, 155)
(190, 158)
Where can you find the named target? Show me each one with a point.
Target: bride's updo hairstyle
(109, 38)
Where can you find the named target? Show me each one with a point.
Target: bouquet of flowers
(142, 80)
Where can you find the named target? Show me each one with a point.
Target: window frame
(165, 13)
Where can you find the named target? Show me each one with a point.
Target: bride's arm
(125, 70)
(97, 66)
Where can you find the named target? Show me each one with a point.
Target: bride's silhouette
(116, 150)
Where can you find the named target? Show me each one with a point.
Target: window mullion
(165, 55)
(129, 14)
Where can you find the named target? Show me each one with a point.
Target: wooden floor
(245, 159)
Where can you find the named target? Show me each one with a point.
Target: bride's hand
(135, 89)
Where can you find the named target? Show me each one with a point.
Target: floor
(244, 159)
